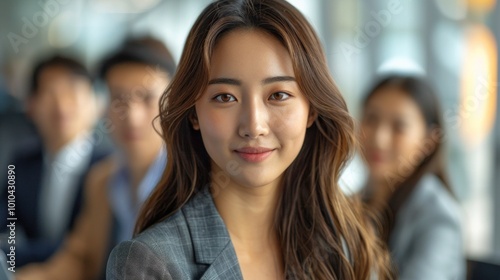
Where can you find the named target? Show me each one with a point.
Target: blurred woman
(408, 190)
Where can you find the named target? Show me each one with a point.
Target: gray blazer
(191, 244)
(426, 242)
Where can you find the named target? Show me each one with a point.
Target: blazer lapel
(225, 266)
(211, 241)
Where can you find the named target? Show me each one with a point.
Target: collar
(73, 158)
(211, 241)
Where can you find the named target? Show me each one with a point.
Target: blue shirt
(59, 186)
(122, 203)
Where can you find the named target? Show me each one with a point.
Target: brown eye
(370, 120)
(224, 98)
(279, 96)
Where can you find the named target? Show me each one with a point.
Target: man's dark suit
(28, 169)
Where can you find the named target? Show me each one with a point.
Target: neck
(53, 145)
(138, 165)
(381, 191)
(249, 215)
(249, 212)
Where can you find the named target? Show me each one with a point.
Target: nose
(134, 115)
(63, 104)
(382, 136)
(254, 119)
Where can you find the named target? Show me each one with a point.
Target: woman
(256, 134)
(401, 131)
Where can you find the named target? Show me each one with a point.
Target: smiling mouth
(131, 136)
(376, 158)
(254, 154)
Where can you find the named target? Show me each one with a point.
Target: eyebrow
(236, 82)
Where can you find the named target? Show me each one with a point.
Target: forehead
(250, 51)
(59, 73)
(132, 74)
(136, 80)
(131, 69)
(393, 102)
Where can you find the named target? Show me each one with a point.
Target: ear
(312, 117)
(193, 118)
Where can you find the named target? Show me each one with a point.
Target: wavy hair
(322, 233)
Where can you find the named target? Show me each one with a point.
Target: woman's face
(252, 116)
(393, 135)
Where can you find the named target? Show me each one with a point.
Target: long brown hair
(322, 233)
(433, 159)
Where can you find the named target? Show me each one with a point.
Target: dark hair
(146, 50)
(314, 219)
(434, 161)
(72, 65)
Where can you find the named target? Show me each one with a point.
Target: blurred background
(454, 43)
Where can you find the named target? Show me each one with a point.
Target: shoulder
(432, 195)
(99, 176)
(431, 203)
(165, 248)
(28, 156)
(427, 238)
(135, 260)
(171, 234)
(101, 148)
(28, 166)
(103, 169)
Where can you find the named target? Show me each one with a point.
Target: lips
(254, 154)
(131, 135)
(377, 157)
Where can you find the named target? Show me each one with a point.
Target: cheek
(46, 111)
(407, 149)
(152, 122)
(365, 134)
(290, 123)
(216, 126)
(37, 113)
(114, 116)
(118, 123)
(86, 102)
(379, 137)
(149, 111)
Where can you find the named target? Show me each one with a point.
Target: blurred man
(136, 77)
(49, 179)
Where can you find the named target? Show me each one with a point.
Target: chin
(377, 168)
(66, 136)
(253, 182)
(131, 147)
